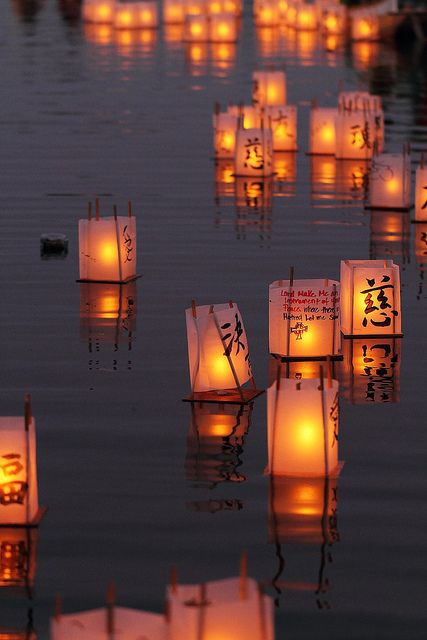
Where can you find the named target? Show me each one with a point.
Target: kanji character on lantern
(269, 88)
(322, 131)
(254, 152)
(225, 127)
(283, 124)
(99, 11)
(421, 192)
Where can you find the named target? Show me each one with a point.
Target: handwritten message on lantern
(304, 318)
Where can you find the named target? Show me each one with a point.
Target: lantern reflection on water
(230, 609)
(365, 25)
(370, 298)
(283, 124)
(136, 15)
(218, 354)
(107, 248)
(421, 193)
(254, 152)
(269, 88)
(254, 194)
(304, 318)
(334, 19)
(390, 181)
(390, 233)
(18, 546)
(266, 13)
(322, 131)
(371, 370)
(302, 419)
(99, 11)
(224, 179)
(215, 443)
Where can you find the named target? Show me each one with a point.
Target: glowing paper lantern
(18, 546)
(365, 26)
(174, 11)
(107, 248)
(307, 17)
(370, 298)
(136, 15)
(254, 152)
(283, 124)
(234, 608)
(18, 471)
(303, 510)
(196, 28)
(390, 181)
(322, 131)
(225, 126)
(364, 102)
(266, 13)
(304, 318)
(249, 115)
(223, 28)
(195, 7)
(333, 19)
(218, 354)
(421, 193)
(98, 11)
(302, 417)
(371, 370)
(269, 88)
(215, 442)
(355, 135)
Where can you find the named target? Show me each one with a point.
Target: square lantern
(371, 370)
(224, 179)
(307, 17)
(196, 28)
(269, 88)
(218, 355)
(215, 443)
(234, 608)
(107, 248)
(421, 193)
(370, 298)
(322, 131)
(18, 546)
(355, 134)
(390, 182)
(302, 425)
(304, 318)
(254, 152)
(283, 123)
(303, 510)
(173, 11)
(223, 28)
(19, 503)
(334, 19)
(352, 180)
(136, 15)
(195, 7)
(365, 25)
(365, 102)
(249, 115)
(266, 13)
(98, 11)
(225, 127)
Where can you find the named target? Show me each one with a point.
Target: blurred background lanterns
(307, 17)
(302, 423)
(225, 127)
(333, 19)
(390, 181)
(322, 130)
(304, 318)
(215, 443)
(107, 248)
(173, 11)
(218, 354)
(421, 192)
(269, 88)
(254, 152)
(370, 372)
(196, 28)
(370, 298)
(389, 235)
(223, 28)
(99, 11)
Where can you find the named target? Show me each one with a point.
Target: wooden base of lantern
(281, 358)
(30, 525)
(233, 396)
(351, 336)
(368, 207)
(88, 281)
(334, 474)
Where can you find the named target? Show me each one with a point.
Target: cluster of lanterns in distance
(121, 15)
(306, 320)
(232, 607)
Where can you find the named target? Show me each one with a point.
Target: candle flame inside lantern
(328, 133)
(109, 253)
(223, 30)
(125, 18)
(365, 28)
(104, 12)
(393, 185)
(196, 29)
(331, 22)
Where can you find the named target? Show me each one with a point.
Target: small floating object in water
(53, 245)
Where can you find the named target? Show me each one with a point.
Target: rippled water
(130, 492)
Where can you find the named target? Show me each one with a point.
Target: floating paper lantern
(283, 124)
(145, 14)
(18, 546)
(421, 193)
(355, 135)
(303, 510)
(371, 370)
(302, 417)
(254, 194)
(322, 131)
(390, 233)
(218, 354)
(223, 28)
(107, 248)
(333, 19)
(234, 608)
(364, 102)
(18, 471)
(215, 442)
(306, 17)
(225, 127)
(370, 298)
(196, 28)
(254, 152)
(365, 26)
(249, 115)
(390, 181)
(266, 13)
(174, 11)
(269, 88)
(304, 318)
(99, 11)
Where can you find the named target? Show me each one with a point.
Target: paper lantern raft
(107, 248)
(370, 298)
(304, 319)
(218, 355)
(302, 420)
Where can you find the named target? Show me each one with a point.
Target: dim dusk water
(84, 113)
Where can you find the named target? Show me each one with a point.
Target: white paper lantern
(225, 128)
(254, 152)
(390, 181)
(282, 121)
(355, 135)
(98, 11)
(269, 88)
(322, 131)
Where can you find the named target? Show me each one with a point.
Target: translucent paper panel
(254, 152)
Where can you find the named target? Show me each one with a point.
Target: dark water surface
(81, 114)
